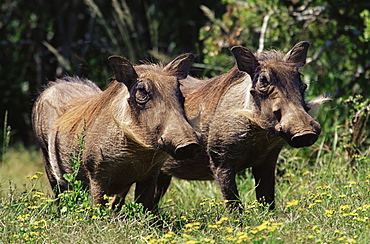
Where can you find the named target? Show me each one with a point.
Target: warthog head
(277, 93)
(156, 105)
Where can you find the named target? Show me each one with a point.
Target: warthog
(246, 116)
(130, 128)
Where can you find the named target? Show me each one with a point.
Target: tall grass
(121, 29)
(6, 136)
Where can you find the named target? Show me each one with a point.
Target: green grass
(19, 166)
(320, 198)
(316, 202)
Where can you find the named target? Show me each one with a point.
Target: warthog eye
(303, 87)
(142, 95)
(263, 84)
(264, 80)
(307, 107)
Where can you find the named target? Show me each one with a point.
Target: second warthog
(246, 116)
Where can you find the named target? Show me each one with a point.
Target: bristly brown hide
(246, 116)
(130, 128)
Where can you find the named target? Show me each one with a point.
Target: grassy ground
(19, 166)
(321, 198)
(316, 202)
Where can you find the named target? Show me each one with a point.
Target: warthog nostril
(303, 139)
(187, 151)
(161, 143)
(277, 114)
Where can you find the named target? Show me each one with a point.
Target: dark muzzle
(182, 151)
(303, 139)
(187, 151)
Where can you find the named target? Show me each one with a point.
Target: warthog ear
(180, 66)
(245, 59)
(298, 53)
(123, 70)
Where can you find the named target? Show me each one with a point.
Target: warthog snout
(187, 151)
(299, 129)
(182, 150)
(304, 139)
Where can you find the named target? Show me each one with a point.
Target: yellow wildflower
(274, 226)
(169, 234)
(329, 213)
(292, 203)
(222, 220)
(361, 220)
(344, 207)
(353, 213)
(40, 224)
(160, 240)
(262, 226)
(193, 225)
(364, 207)
(192, 242)
(228, 229)
(342, 238)
(314, 227)
(32, 207)
(230, 238)
(311, 205)
(242, 237)
(205, 240)
(351, 240)
(186, 236)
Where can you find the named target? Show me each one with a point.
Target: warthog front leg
(163, 182)
(224, 174)
(264, 176)
(98, 190)
(144, 192)
(119, 199)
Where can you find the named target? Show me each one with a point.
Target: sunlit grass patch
(19, 165)
(329, 212)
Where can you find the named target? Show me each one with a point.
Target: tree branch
(263, 32)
